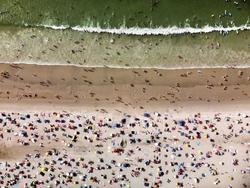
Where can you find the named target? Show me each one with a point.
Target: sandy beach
(124, 94)
(108, 127)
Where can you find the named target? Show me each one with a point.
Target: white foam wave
(150, 31)
(43, 63)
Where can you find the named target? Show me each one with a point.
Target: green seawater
(67, 47)
(128, 13)
(47, 46)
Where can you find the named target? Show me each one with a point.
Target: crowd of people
(55, 149)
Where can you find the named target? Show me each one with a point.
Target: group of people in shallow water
(53, 149)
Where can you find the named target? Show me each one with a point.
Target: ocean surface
(67, 32)
(129, 16)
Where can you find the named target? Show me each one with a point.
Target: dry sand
(218, 94)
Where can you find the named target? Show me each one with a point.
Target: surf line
(150, 31)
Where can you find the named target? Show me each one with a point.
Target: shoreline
(126, 67)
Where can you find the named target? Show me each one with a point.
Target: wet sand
(87, 137)
(126, 87)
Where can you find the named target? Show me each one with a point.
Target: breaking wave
(150, 31)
